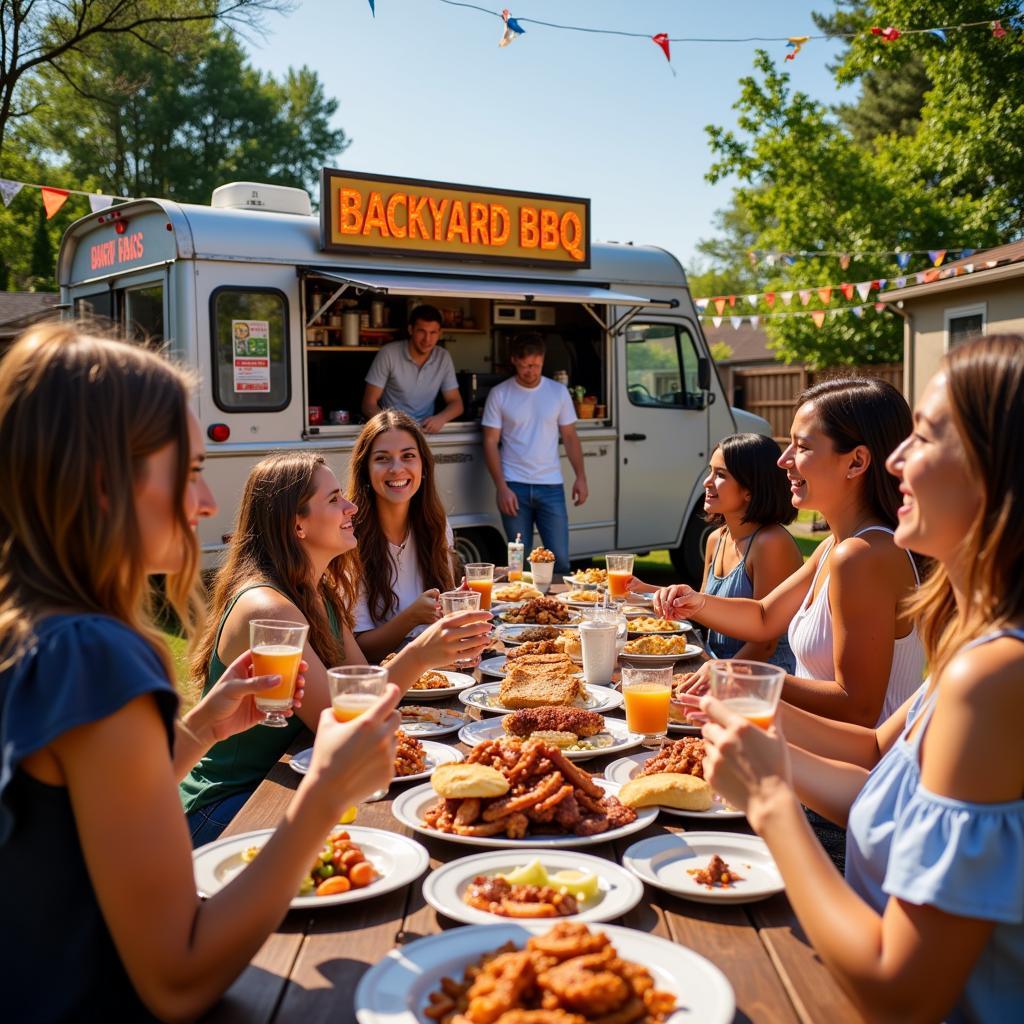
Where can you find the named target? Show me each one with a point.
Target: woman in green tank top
(284, 562)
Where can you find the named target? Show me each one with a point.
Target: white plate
(665, 862)
(620, 890)
(680, 627)
(396, 989)
(398, 860)
(451, 721)
(692, 651)
(436, 753)
(564, 598)
(626, 768)
(583, 584)
(456, 680)
(485, 698)
(616, 736)
(410, 807)
(492, 666)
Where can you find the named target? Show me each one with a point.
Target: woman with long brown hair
(284, 562)
(101, 486)
(929, 924)
(402, 528)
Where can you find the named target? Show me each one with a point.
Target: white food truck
(281, 313)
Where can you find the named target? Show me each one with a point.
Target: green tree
(720, 351)
(43, 267)
(36, 35)
(180, 120)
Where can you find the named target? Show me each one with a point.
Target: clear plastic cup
(480, 577)
(455, 601)
(750, 688)
(276, 648)
(354, 690)
(620, 572)
(647, 692)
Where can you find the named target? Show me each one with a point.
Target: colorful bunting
(769, 298)
(736, 321)
(997, 30)
(847, 290)
(864, 290)
(938, 32)
(373, 10)
(99, 202)
(752, 299)
(889, 34)
(787, 297)
(661, 39)
(936, 256)
(9, 189)
(805, 296)
(754, 321)
(512, 28)
(795, 44)
(858, 312)
(717, 321)
(825, 294)
(901, 282)
(879, 306)
(719, 305)
(844, 260)
(818, 316)
(903, 259)
(701, 304)
(54, 199)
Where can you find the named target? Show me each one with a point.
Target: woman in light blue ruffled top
(929, 922)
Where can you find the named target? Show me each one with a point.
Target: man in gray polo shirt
(407, 375)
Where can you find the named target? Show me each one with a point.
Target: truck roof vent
(253, 195)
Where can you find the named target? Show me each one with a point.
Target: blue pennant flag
(858, 311)
(938, 32)
(882, 282)
(901, 282)
(373, 10)
(966, 252)
(903, 259)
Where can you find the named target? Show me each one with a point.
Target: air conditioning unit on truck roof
(252, 195)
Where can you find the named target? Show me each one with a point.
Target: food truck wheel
(688, 558)
(481, 545)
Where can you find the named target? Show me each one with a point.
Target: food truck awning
(477, 288)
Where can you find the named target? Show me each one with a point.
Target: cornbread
(465, 780)
(516, 592)
(656, 645)
(667, 789)
(539, 692)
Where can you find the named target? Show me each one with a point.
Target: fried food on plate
(655, 645)
(462, 781)
(584, 596)
(496, 895)
(532, 647)
(650, 624)
(516, 592)
(410, 757)
(568, 975)
(589, 576)
(545, 611)
(421, 713)
(547, 793)
(578, 721)
(533, 633)
(665, 789)
(681, 757)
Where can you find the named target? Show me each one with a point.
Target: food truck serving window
(249, 328)
(662, 367)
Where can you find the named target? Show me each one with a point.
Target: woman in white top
(404, 558)
(857, 652)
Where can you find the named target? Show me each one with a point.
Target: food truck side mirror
(704, 373)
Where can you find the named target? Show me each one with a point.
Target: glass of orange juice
(455, 601)
(276, 648)
(647, 692)
(480, 577)
(750, 688)
(354, 690)
(620, 572)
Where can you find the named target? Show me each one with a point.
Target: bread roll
(458, 781)
(667, 789)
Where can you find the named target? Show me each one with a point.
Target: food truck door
(663, 430)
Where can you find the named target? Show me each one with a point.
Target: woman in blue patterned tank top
(929, 923)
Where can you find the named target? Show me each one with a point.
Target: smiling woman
(402, 528)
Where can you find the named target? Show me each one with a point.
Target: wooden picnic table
(308, 969)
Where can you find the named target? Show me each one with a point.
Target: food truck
(281, 311)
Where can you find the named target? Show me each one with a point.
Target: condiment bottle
(515, 559)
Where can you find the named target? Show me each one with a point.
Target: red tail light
(218, 432)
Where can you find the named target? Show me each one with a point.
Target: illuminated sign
(398, 216)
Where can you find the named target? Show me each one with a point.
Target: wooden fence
(771, 391)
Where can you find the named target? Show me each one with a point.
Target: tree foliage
(36, 35)
(949, 176)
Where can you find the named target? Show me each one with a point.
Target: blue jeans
(206, 823)
(543, 506)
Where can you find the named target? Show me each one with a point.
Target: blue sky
(425, 92)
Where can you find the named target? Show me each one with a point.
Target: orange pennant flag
(818, 316)
(53, 200)
(719, 304)
(769, 298)
(825, 294)
(847, 290)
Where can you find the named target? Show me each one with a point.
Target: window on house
(964, 323)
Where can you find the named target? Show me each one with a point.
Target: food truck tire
(480, 545)
(688, 558)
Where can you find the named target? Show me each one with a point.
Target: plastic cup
(480, 577)
(598, 641)
(542, 573)
(647, 692)
(750, 688)
(354, 690)
(455, 601)
(620, 572)
(276, 648)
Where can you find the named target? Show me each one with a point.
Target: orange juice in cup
(276, 648)
(620, 572)
(480, 577)
(354, 690)
(750, 688)
(347, 706)
(647, 692)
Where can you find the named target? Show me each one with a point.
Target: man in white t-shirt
(527, 415)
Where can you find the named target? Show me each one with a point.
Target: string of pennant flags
(819, 316)
(54, 198)
(825, 293)
(902, 257)
(512, 29)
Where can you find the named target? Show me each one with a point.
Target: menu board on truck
(251, 347)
